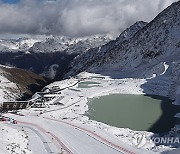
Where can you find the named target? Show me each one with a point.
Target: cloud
(77, 17)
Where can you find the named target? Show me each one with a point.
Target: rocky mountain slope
(150, 51)
(17, 83)
(94, 55)
(46, 56)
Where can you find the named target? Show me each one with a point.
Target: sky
(11, 1)
(75, 18)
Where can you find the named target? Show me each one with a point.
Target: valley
(69, 104)
(93, 94)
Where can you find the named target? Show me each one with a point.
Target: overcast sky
(75, 17)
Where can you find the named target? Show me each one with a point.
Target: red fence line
(54, 136)
(98, 136)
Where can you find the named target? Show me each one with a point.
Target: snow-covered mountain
(142, 51)
(94, 55)
(144, 59)
(49, 55)
(69, 45)
(16, 83)
(13, 45)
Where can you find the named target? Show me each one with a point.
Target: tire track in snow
(65, 148)
(96, 135)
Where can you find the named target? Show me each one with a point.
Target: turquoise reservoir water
(137, 112)
(88, 84)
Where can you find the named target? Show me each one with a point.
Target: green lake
(137, 112)
(88, 84)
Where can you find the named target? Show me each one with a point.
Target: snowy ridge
(49, 44)
(144, 59)
(48, 55)
(142, 54)
(129, 32)
(69, 45)
(85, 60)
(13, 45)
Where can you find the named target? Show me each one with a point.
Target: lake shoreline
(81, 97)
(107, 108)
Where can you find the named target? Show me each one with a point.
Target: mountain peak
(139, 44)
(129, 32)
